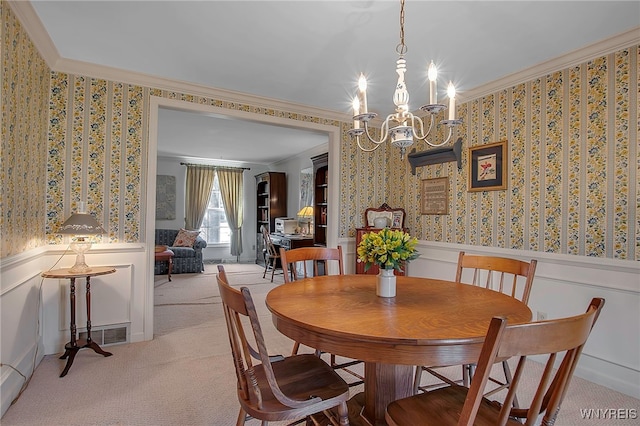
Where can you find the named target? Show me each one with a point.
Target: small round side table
(72, 348)
(166, 256)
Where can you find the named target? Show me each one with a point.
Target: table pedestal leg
(70, 352)
(383, 384)
(90, 343)
(72, 348)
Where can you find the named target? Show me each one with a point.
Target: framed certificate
(435, 196)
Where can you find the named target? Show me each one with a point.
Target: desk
(72, 348)
(286, 241)
(429, 322)
(289, 242)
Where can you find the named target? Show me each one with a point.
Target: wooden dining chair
(277, 388)
(319, 258)
(510, 276)
(461, 406)
(272, 257)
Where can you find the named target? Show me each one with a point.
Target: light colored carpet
(184, 375)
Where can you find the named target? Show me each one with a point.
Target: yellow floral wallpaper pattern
(572, 137)
(25, 86)
(573, 158)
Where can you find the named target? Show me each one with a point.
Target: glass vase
(386, 285)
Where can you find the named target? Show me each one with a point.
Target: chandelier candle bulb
(362, 85)
(356, 111)
(433, 85)
(451, 91)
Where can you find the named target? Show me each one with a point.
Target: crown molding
(576, 57)
(40, 38)
(32, 24)
(136, 78)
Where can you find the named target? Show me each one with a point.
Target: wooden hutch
(320, 198)
(271, 202)
(395, 218)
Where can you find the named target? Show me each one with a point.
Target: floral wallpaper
(25, 86)
(572, 138)
(99, 154)
(96, 153)
(573, 166)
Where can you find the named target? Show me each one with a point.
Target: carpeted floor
(184, 375)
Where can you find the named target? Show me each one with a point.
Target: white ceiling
(310, 52)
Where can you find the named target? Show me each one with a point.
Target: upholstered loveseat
(185, 259)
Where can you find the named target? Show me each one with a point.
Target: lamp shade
(81, 224)
(306, 212)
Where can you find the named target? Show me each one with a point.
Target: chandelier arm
(449, 137)
(371, 139)
(424, 135)
(384, 130)
(367, 149)
(444, 142)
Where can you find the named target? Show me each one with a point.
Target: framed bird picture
(488, 167)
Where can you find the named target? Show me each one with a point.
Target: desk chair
(509, 276)
(277, 388)
(461, 406)
(272, 257)
(319, 257)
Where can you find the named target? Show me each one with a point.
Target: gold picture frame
(488, 167)
(434, 196)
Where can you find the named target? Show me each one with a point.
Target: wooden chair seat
(276, 388)
(298, 377)
(461, 406)
(447, 403)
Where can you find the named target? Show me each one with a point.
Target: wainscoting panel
(563, 286)
(116, 299)
(21, 318)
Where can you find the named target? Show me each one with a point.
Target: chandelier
(402, 127)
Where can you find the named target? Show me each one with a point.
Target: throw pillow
(185, 238)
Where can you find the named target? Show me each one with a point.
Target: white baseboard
(11, 382)
(622, 379)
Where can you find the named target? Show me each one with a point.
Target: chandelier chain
(401, 49)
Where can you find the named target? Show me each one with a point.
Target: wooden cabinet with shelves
(321, 197)
(271, 202)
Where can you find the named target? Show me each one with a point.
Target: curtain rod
(215, 167)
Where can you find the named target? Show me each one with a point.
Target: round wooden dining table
(429, 322)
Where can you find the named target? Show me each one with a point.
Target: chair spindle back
(499, 273)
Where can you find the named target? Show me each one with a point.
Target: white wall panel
(563, 286)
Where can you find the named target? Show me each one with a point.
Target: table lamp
(80, 224)
(306, 215)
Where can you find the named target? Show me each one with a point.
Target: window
(215, 228)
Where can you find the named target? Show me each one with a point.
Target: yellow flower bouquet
(387, 248)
